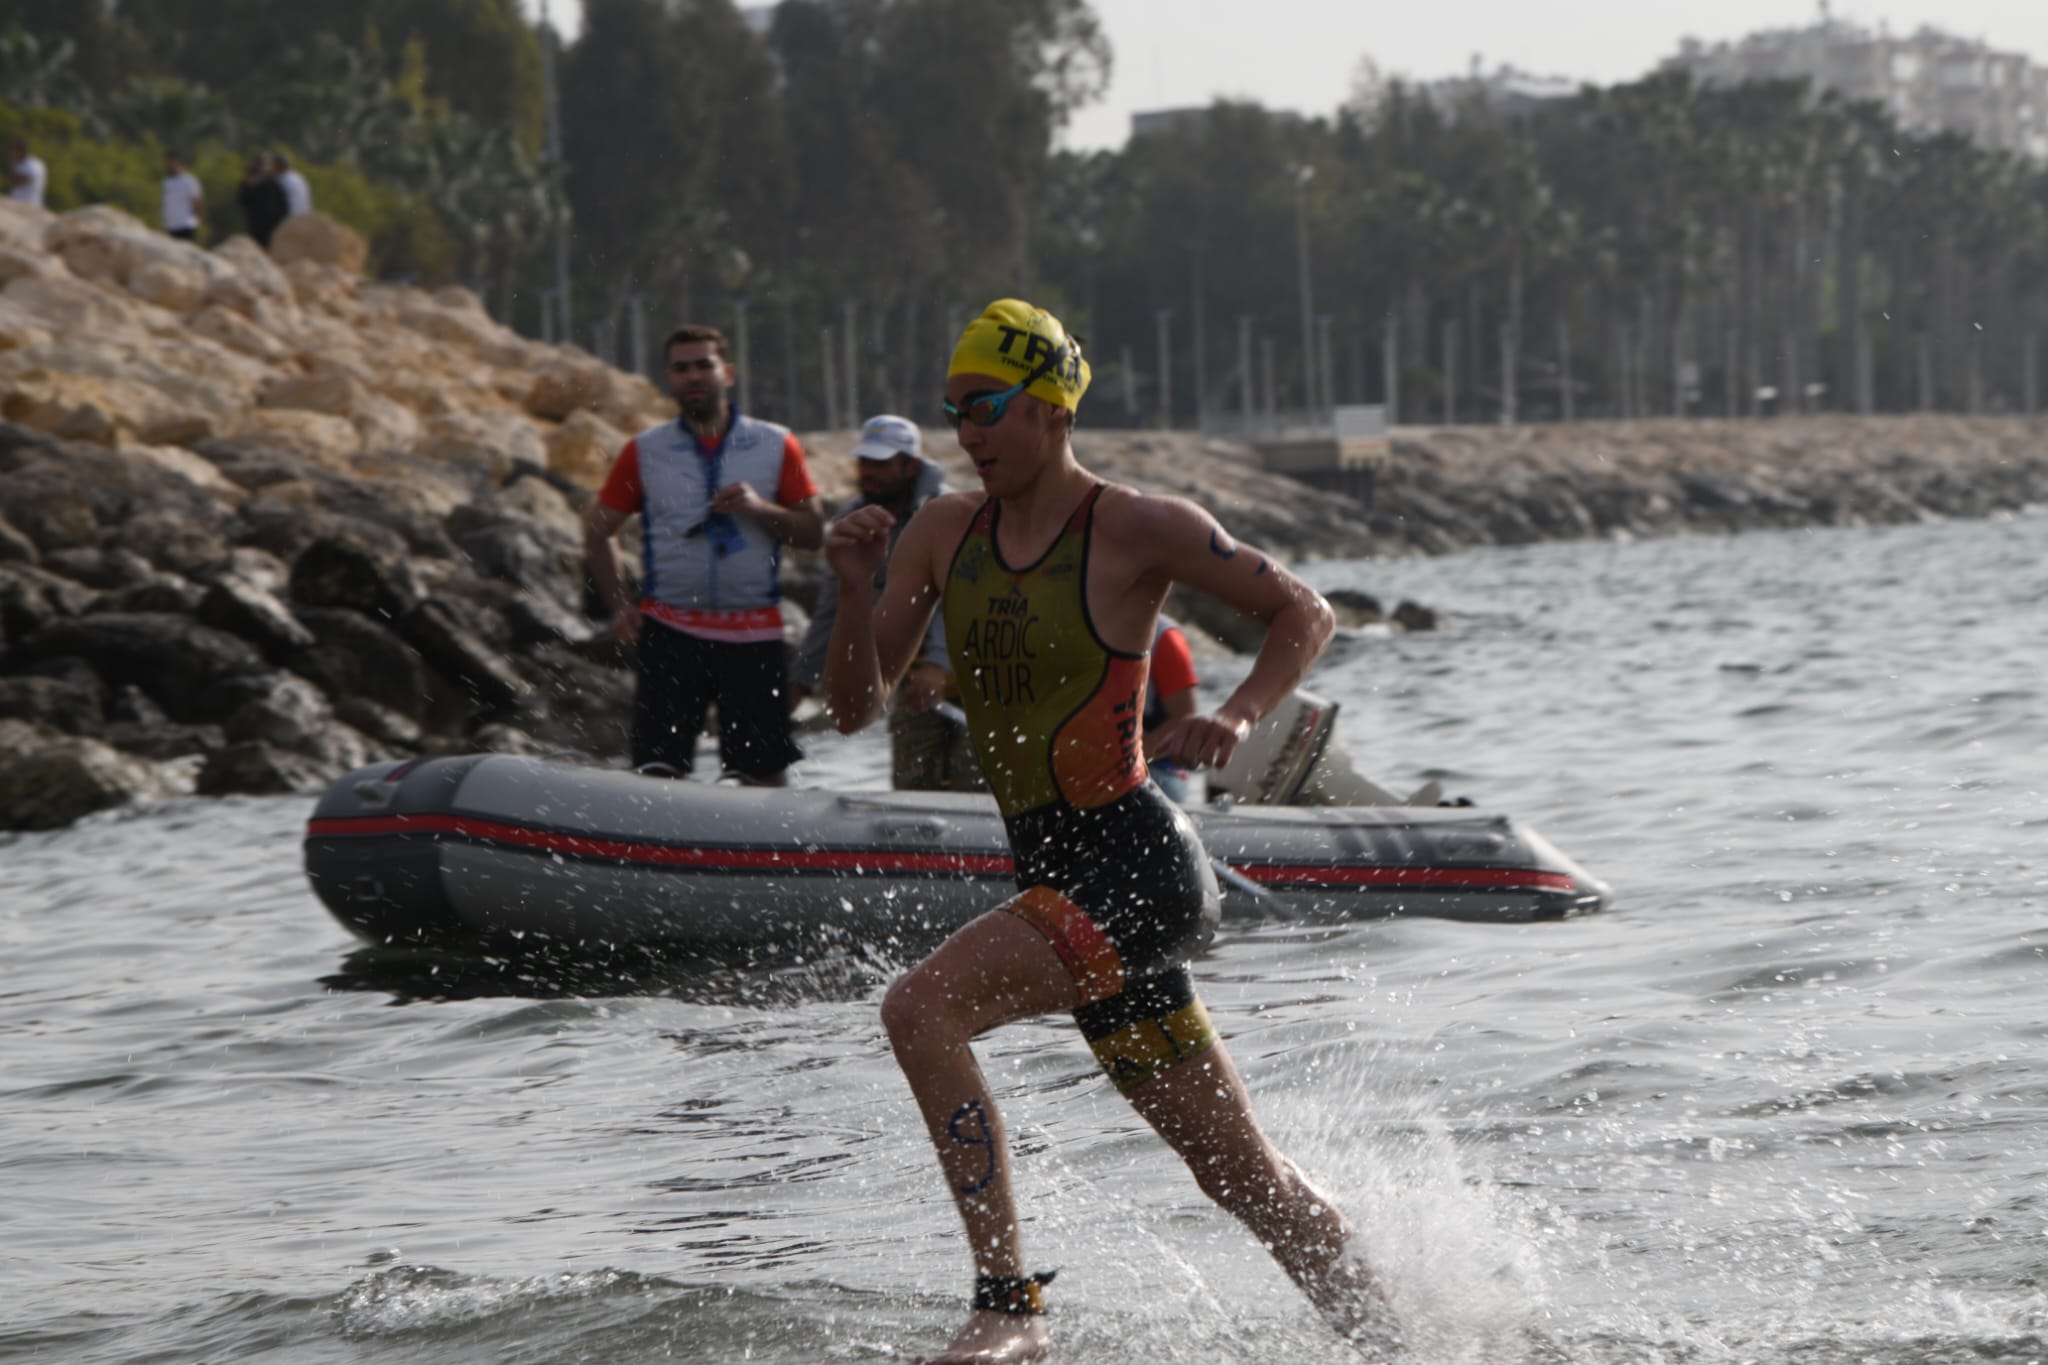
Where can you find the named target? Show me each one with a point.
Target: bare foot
(1352, 1302)
(991, 1338)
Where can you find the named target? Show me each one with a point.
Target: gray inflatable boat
(501, 853)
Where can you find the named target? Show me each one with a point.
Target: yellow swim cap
(1013, 339)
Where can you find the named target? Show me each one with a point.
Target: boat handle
(910, 829)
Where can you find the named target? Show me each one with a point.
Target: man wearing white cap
(928, 745)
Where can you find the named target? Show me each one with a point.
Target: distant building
(1506, 91)
(1930, 82)
(1166, 120)
(1191, 116)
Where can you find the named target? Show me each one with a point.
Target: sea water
(1786, 1101)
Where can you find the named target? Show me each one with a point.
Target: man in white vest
(719, 494)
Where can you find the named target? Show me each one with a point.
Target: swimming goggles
(987, 409)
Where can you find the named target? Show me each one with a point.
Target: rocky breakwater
(1437, 490)
(1281, 516)
(263, 520)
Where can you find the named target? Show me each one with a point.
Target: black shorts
(682, 674)
(1125, 895)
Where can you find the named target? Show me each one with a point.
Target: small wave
(410, 1299)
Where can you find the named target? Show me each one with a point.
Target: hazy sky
(1302, 54)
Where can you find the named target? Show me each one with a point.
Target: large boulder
(18, 330)
(251, 284)
(174, 541)
(570, 383)
(64, 398)
(355, 657)
(68, 705)
(255, 768)
(16, 546)
(109, 568)
(157, 466)
(289, 713)
(23, 225)
(49, 779)
(194, 672)
(541, 499)
(240, 607)
(57, 507)
(495, 441)
(32, 598)
(348, 571)
(328, 387)
(70, 306)
(459, 320)
(288, 517)
(229, 328)
(320, 438)
(321, 240)
(102, 243)
(583, 447)
(329, 298)
(575, 703)
(486, 680)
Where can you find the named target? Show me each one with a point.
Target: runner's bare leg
(1203, 1111)
(991, 972)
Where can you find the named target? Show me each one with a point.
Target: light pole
(1302, 175)
(1164, 318)
(551, 99)
(1201, 341)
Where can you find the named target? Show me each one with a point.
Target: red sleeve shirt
(621, 491)
(795, 484)
(1173, 663)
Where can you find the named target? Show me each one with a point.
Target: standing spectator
(1169, 695)
(298, 195)
(184, 201)
(928, 745)
(26, 174)
(718, 494)
(262, 200)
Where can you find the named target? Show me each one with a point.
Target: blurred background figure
(184, 202)
(298, 195)
(928, 744)
(261, 199)
(1170, 694)
(26, 174)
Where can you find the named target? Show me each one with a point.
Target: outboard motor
(1294, 758)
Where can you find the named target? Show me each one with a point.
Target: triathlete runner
(1051, 581)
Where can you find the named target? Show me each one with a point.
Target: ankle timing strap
(1023, 1297)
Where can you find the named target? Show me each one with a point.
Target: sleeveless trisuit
(1108, 869)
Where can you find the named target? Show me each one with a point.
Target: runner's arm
(1191, 548)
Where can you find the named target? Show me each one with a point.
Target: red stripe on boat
(1412, 876)
(582, 846)
(883, 860)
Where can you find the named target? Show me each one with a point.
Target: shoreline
(1446, 489)
(263, 521)
(250, 622)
